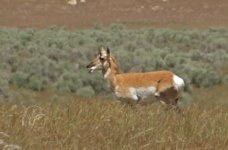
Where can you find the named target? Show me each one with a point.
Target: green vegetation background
(56, 57)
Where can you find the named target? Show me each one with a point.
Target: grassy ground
(62, 121)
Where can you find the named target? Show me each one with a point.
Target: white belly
(136, 93)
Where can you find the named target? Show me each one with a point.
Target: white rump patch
(178, 83)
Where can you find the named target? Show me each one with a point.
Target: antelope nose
(87, 66)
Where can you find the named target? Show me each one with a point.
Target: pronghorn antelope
(164, 85)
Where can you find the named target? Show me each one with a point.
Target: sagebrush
(56, 57)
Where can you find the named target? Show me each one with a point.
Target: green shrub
(20, 79)
(37, 84)
(56, 57)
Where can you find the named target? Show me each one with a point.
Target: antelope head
(101, 60)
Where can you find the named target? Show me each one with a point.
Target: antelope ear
(99, 53)
(108, 52)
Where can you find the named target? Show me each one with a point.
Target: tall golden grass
(68, 122)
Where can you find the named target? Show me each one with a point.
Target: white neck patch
(107, 73)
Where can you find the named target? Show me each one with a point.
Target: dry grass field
(51, 120)
(56, 121)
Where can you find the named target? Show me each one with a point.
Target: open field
(43, 72)
(61, 121)
(48, 100)
(134, 13)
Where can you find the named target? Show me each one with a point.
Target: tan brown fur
(160, 79)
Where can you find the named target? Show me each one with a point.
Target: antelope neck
(107, 72)
(110, 72)
(111, 69)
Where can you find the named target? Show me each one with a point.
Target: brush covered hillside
(48, 100)
(55, 58)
